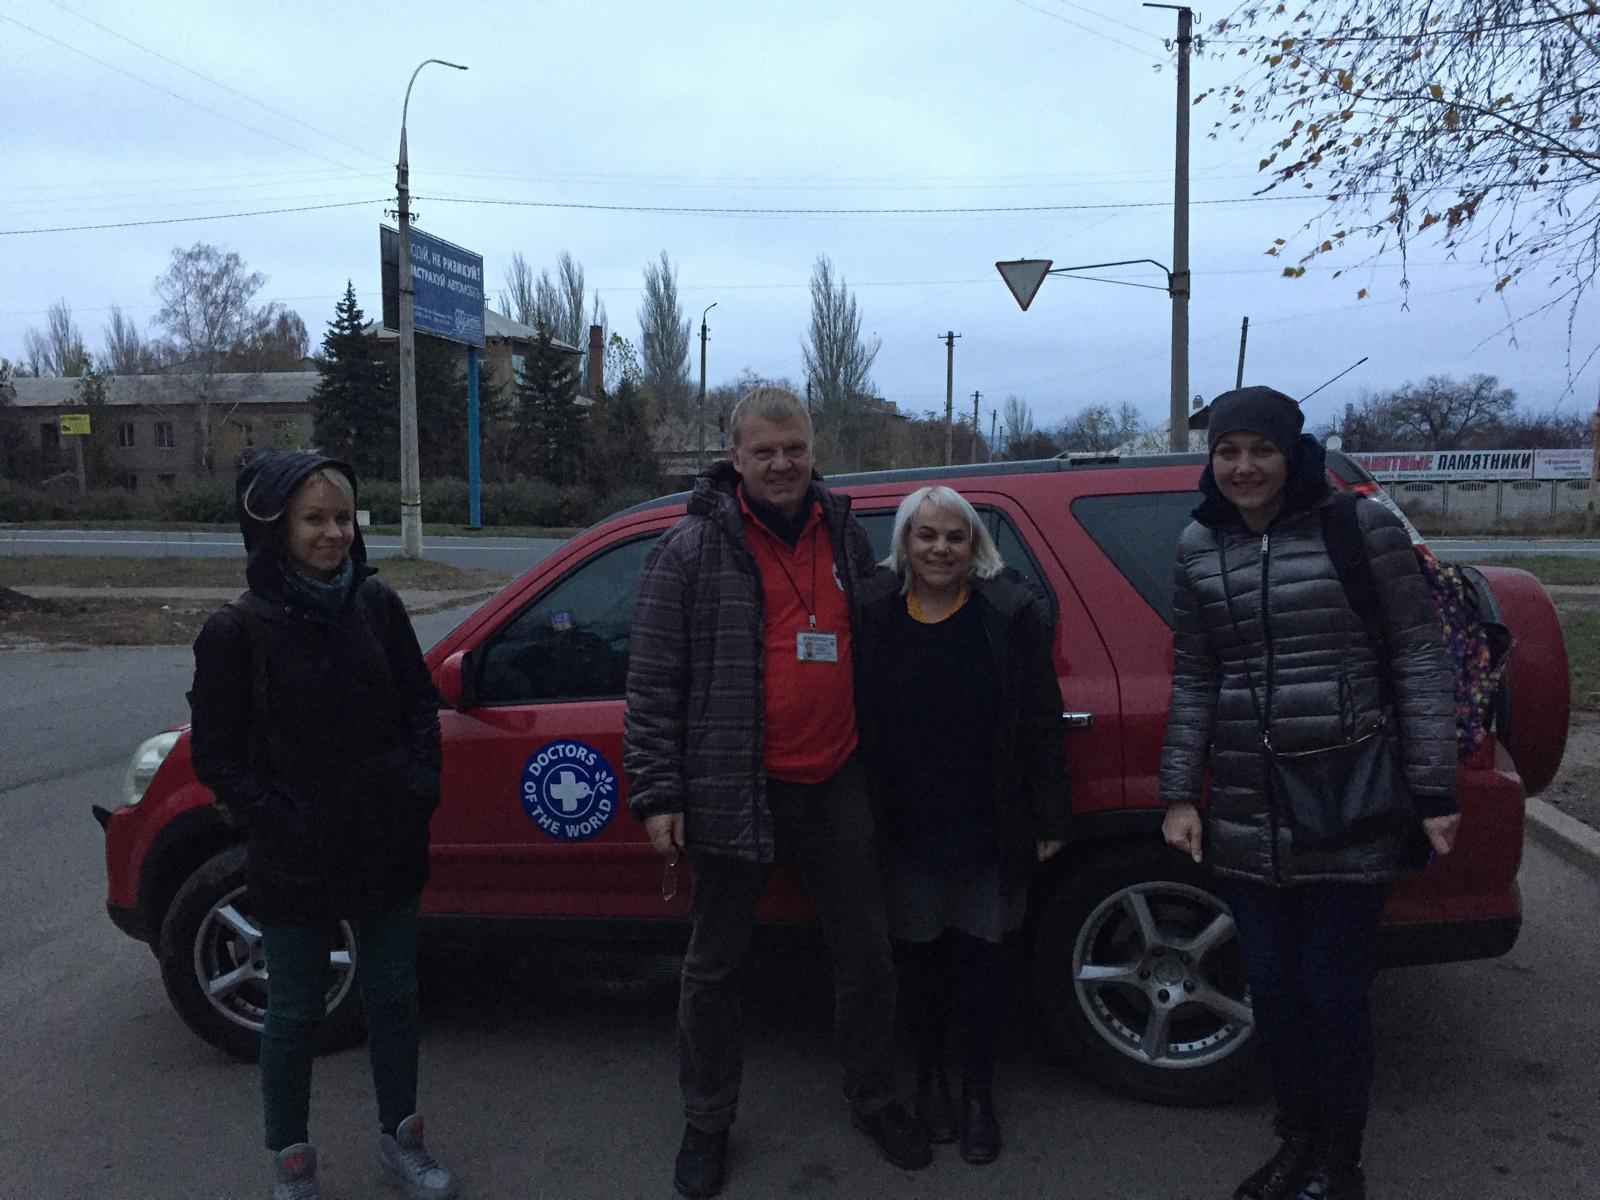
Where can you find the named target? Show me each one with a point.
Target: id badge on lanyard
(810, 646)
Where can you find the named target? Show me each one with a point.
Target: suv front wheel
(216, 973)
(1141, 978)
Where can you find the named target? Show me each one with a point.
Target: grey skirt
(925, 900)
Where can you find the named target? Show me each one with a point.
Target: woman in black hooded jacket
(315, 722)
(1265, 642)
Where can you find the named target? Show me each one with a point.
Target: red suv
(532, 832)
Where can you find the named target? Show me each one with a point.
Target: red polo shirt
(810, 725)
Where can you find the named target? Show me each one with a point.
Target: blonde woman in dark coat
(962, 722)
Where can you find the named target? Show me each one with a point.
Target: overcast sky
(140, 112)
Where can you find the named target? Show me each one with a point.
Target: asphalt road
(512, 556)
(555, 1078)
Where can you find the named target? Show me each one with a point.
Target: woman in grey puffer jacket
(1264, 637)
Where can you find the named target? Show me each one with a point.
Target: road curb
(1566, 836)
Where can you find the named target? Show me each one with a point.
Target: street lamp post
(410, 473)
(700, 460)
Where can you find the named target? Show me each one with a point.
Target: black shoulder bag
(1334, 796)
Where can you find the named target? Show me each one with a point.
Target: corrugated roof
(156, 391)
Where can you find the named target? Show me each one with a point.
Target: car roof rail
(958, 471)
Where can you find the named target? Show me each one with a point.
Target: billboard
(447, 280)
(1562, 464)
(1447, 464)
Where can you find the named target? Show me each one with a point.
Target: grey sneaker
(407, 1164)
(294, 1173)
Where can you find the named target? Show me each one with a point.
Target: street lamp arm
(404, 107)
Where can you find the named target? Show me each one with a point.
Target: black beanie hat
(1260, 410)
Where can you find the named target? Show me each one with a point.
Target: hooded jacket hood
(261, 495)
(1306, 486)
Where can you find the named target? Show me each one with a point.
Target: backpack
(1478, 645)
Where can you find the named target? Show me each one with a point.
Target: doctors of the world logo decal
(569, 790)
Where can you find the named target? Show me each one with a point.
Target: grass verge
(428, 529)
(111, 571)
(1582, 631)
(1550, 568)
(111, 622)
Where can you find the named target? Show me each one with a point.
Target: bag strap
(1347, 548)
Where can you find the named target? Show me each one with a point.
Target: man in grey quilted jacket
(739, 746)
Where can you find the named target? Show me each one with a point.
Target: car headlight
(146, 761)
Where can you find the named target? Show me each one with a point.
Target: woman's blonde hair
(330, 475)
(986, 560)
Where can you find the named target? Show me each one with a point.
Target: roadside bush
(205, 500)
(519, 501)
(381, 497)
(18, 503)
(625, 497)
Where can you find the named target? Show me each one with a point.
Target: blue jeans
(825, 830)
(386, 972)
(1310, 954)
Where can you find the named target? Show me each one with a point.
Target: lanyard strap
(811, 605)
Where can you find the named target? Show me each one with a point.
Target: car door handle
(1078, 720)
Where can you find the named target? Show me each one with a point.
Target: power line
(710, 210)
(262, 212)
(1055, 16)
(175, 95)
(1083, 8)
(62, 209)
(217, 83)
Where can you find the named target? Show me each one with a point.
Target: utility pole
(1594, 472)
(410, 473)
(1179, 440)
(1244, 332)
(949, 340)
(975, 398)
(700, 459)
(994, 420)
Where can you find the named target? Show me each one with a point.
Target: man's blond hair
(775, 404)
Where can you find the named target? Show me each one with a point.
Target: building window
(49, 437)
(131, 481)
(167, 480)
(125, 435)
(249, 428)
(164, 435)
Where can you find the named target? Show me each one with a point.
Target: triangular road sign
(1023, 276)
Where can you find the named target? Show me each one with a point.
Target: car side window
(1139, 534)
(571, 642)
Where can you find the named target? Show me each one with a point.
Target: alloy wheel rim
(1157, 971)
(231, 967)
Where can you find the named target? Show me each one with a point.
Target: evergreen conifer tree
(622, 453)
(353, 408)
(550, 424)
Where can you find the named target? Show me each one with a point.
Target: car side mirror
(452, 680)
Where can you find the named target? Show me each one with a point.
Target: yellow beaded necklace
(914, 609)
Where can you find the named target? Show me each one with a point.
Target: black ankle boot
(1289, 1168)
(1336, 1162)
(980, 1129)
(936, 1110)
(702, 1159)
